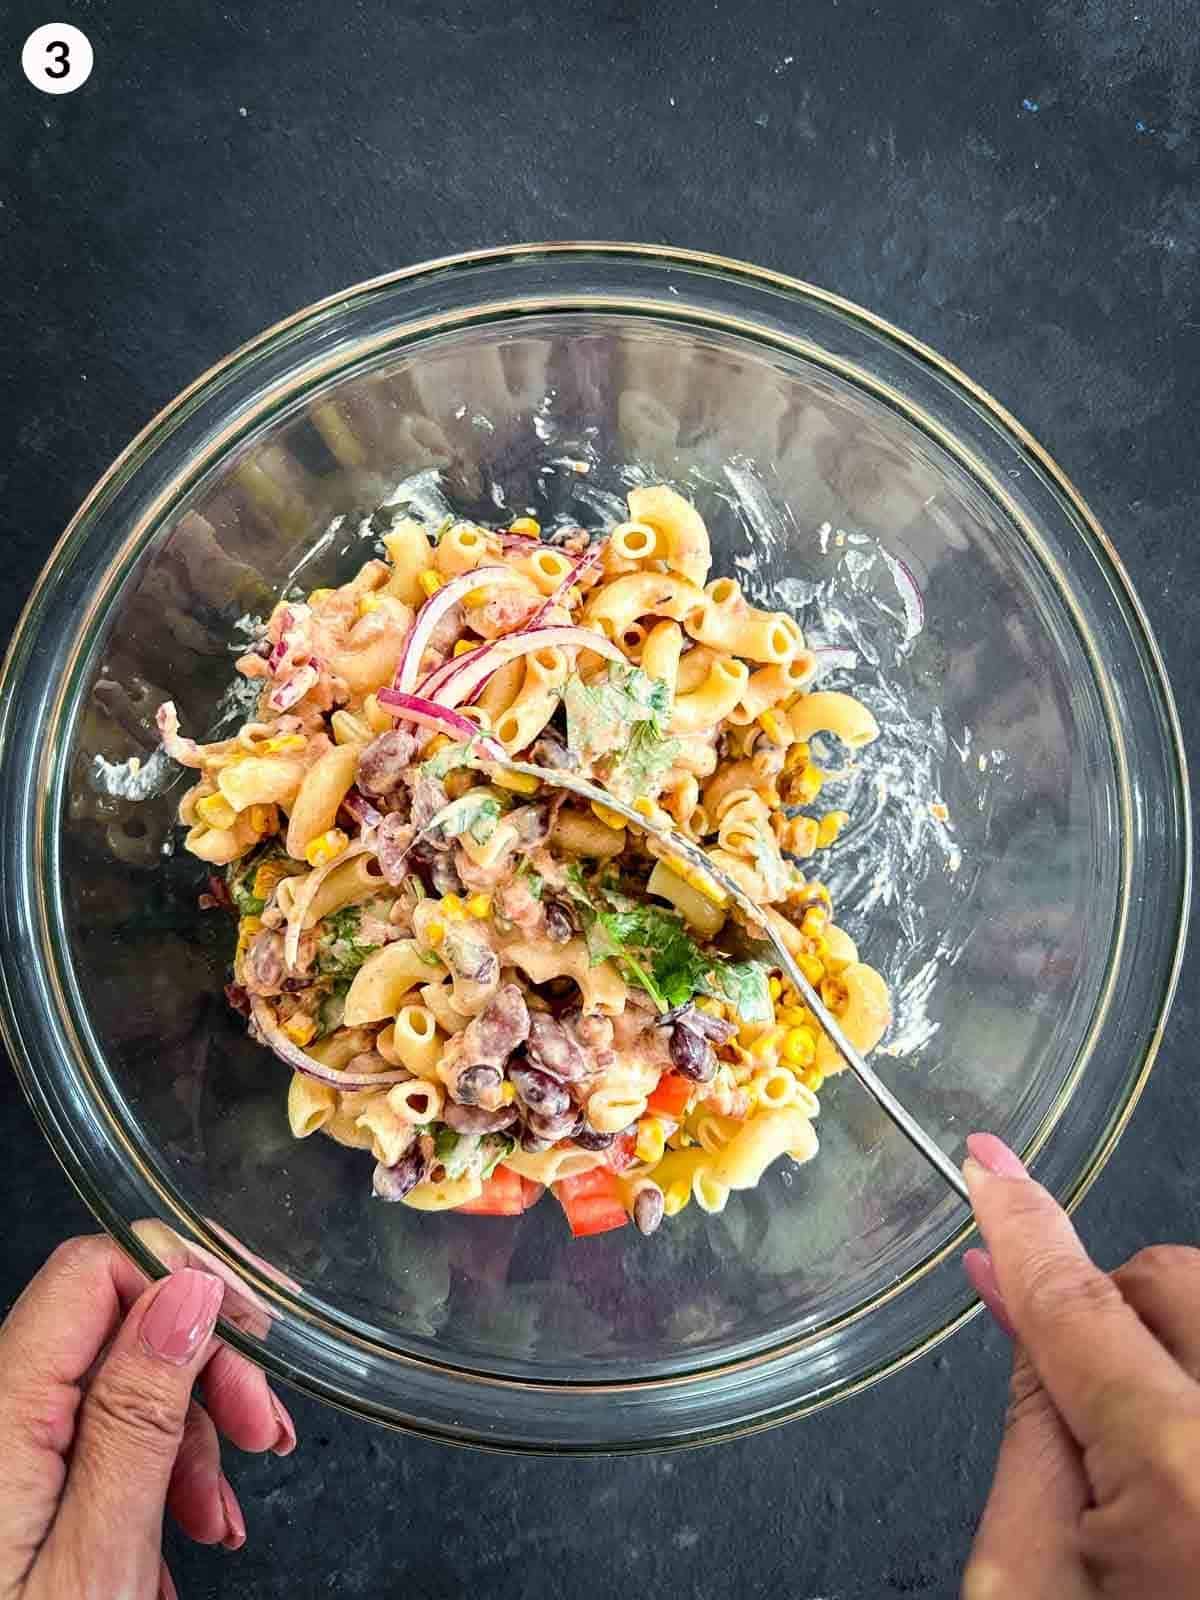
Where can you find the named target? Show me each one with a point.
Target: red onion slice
(273, 1035)
(910, 596)
(408, 667)
(583, 564)
(457, 680)
(428, 714)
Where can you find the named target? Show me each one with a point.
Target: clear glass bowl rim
(142, 446)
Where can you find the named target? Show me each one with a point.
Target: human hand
(98, 1428)
(1097, 1486)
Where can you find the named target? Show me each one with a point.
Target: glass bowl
(1017, 864)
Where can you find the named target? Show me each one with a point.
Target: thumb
(109, 1525)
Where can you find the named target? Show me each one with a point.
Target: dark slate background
(1013, 181)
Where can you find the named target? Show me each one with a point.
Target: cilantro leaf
(477, 812)
(248, 905)
(533, 881)
(333, 1007)
(240, 876)
(642, 765)
(602, 713)
(340, 951)
(744, 984)
(495, 1148)
(451, 758)
(456, 1151)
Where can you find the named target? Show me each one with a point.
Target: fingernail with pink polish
(235, 1523)
(977, 1265)
(182, 1315)
(994, 1156)
(285, 1443)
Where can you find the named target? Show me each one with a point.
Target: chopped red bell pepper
(671, 1095)
(502, 1195)
(592, 1202)
(622, 1152)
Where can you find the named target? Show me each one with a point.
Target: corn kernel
(812, 969)
(529, 526)
(796, 758)
(263, 819)
(703, 884)
(452, 908)
(713, 1007)
(430, 581)
(774, 727)
(216, 811)
(774, 988)
(676, 1196)
(830, 825)
(438, 742)
(818, 891)
(806, 785)
(651, 1141)
(644, 806)
(476, 598)
(799, 1047)
(267, 876)
(517, 782)
(300, 1028)
(250, 926)
(814, 922)
(368, 603)
(435, 932)
(464, 647)
(611, 818)
(792, 1016)
(318, 595)
(326, 847)
(508, 1093)
(284, 744)
(812, 1078)
(479, 905)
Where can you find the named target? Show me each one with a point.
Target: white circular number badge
(57, 58)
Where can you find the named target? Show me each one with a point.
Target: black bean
(588, 1139)
(551, 752)
(444, 876)
(532, 823)
(648, 1208)
(474, 1119)
(555, 1128)
(690, 1016)
(539, 1091)
(468, 957)
(692, 1055)
(553, 1050)
(383, 761)
(476, 1082)
(393, 1183)
(560, 925)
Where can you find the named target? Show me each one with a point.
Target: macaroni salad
(495, 984)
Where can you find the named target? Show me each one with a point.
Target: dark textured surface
(1014, 182)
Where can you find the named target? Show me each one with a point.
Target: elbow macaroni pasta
(429, 950)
